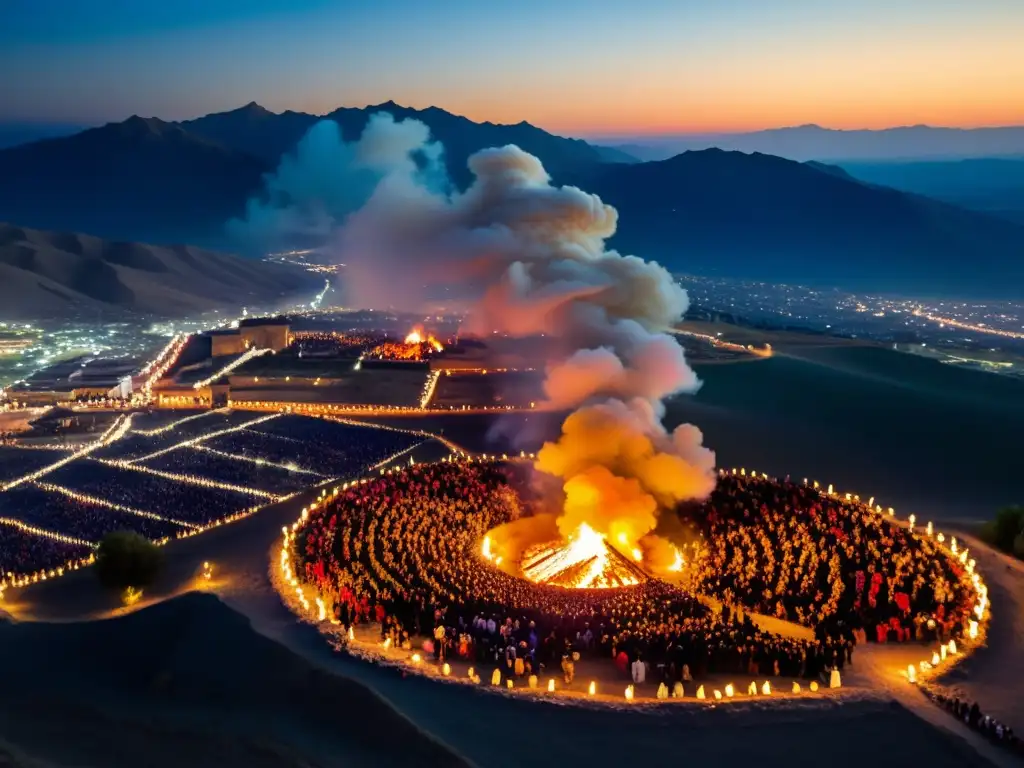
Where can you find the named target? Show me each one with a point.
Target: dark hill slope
(253, 130)
(188, 682)
(142, 179)
(763, 217)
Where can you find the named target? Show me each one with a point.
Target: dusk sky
(577, 67)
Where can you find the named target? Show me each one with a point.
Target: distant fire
(418, 345)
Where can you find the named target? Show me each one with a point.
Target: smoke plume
(530, 258)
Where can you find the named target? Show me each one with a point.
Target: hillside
(142, 179)
(189, 682)
(764, 217)
(985, 184)
(48, 274)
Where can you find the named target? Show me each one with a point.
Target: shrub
(127, 559)
(1018, 546)
(1003, 531)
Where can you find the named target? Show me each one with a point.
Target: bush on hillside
(127, 559)
(1018, 546)
(1005, 529)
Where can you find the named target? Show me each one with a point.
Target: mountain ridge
(814, 142)
(47, 274)
(766, 216)
(763, 217)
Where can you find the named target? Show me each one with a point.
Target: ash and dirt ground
(919, 435)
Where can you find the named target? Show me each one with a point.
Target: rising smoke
(531, 258)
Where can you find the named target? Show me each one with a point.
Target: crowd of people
(323, 446)
(16, 462)
(402, 550)
(970, 713)
(22, 552)
(269, 477)
(338, 450)
(791, 551)
(77, 517)
(188, 502)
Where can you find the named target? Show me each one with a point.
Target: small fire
(416, 346)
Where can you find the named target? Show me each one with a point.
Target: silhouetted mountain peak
(252, 108)
(389, 104)
(139, 126)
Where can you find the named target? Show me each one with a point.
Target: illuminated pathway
(256, 460)
(78, 496)
(202, 438)
(188, 479)
(242, 360)
(967, 326)
(115, 432)
(714, 341)
(174, 424)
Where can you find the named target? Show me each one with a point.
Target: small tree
(127, 559)
(1006, 527)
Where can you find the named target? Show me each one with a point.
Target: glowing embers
(418, 345)
(585, 561)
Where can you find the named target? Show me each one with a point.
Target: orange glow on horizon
(628, 115)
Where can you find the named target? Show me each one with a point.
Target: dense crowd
(140, 490)
(53, 511)
(23, 553)
(317, 445)
(246, 474)
(336, 449)
(971, 714)
(402, 550)
(790, 551)
(16, 462)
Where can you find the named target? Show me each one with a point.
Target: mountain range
(988, 184)
(812, 142)
(767, 218)
(62, 274)
(706, 212)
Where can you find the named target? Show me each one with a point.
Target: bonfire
(416, 346)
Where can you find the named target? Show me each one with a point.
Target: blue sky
(584, 68)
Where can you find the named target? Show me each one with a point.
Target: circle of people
(402, 550)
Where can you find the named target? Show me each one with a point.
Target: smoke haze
(528, 258)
